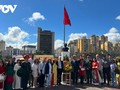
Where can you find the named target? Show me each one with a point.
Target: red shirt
(82, 69)
(94, 65)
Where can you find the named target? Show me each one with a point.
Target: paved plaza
(79, 87)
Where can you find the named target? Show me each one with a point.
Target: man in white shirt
(59, 70)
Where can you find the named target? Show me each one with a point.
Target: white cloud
(113, 35)
(58, 43)
(36, 16)
(118, 17)
(74, 36)
(15, 37)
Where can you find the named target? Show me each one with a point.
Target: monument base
(64, 54)
(66, 78)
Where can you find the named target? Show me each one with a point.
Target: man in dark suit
(41, 79)
(26, 66)
(59, 70)
(75, 65)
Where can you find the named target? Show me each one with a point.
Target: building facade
(107, 46)
(58, 51)
(103, 39)
(16, 51)
(45, 41)
(84, 45)
(94, 43)
(2, 45)
(28, 49)
(116, 49)
(73, 47)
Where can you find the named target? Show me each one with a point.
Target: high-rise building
(94, 43)
(107, 46)
(97, 42)
(116, 49)
(103, 39)
(45, 41)
(83, 45)
(2, 45)
(8, 52)
(73, 47)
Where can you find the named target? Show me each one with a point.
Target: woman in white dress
(17, 79)
(35, 72)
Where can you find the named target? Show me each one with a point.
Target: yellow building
(107, 46)
(83, 45)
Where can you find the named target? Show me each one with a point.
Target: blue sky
(87, 17)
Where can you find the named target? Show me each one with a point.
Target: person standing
(95, 71)
(41, 79)
(75, 65)
(106, 70)
(100, 66)
(82, 70)
(26, 68)
(9, 75)
(2, 73)
(35, 72)
(48, 72)
(54, 71)
(59, 70)
(113, 74)
(17, 79)
(88, 66)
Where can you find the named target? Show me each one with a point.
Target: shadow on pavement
(79, 87)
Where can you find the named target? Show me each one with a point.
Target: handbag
(20, 72)
(2, 78)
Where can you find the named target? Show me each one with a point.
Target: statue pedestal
(66, 78)
(64, 54)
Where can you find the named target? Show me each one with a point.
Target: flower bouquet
(67, 67)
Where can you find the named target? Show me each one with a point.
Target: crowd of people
(48, 72)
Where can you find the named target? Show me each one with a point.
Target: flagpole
(64, 34)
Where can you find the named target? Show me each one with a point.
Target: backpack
(20, 72)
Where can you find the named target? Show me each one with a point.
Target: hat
(26, 56)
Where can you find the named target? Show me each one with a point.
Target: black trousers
(24, 82)
(81, 79)
(89, 76)
(75, 77)
(106, 74)
(41, 80)
(59, 73)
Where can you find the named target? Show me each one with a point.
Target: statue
(65, 48)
